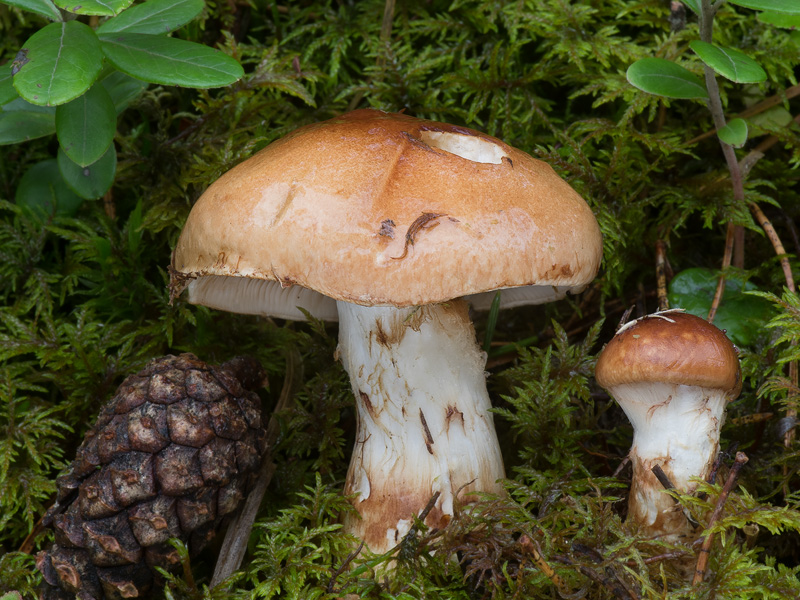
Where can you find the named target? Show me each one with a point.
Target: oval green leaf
(7, 91)
(694, 5)
(123, 89)
(44, 8)
(155, 16)
(783, 20)
(102, 8)
(85, 126)
(43, 192)
(734, 133)
(62, 62)
(729, 62)
(93, 180)
(791, 7)
(742, 316)
(21, 126)
(665, 78)
(169, 61)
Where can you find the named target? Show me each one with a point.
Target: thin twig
(705, 549)
(726, 262)
(531, 547)
(661, 275)
(332, 583)
(237, 535)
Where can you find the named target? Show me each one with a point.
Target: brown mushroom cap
(383, 209)
(671, 347)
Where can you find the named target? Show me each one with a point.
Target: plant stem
(707, 11)
(705, 550)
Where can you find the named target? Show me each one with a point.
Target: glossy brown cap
(384, 209)
(671, 347)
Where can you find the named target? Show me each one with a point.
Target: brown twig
(726, 262)
(705, 549)
(332, 583)
(661, 275)
(237, 535)
(532, 548)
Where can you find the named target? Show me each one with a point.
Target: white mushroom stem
(424, 424)
(677, 428)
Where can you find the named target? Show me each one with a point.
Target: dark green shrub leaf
(784, 20)
(155, 16)
(135, 228)
(169, 61)
(694, 5)
(45, 8)
(729, 62)
(742, 316)
(665, 78)
(734, 133)
(791, 7)
(21, 121)
(104, 8)
(63, 60)
(7, 91)
(43, 192)
(91, 181)
(85, 126)
(123, 89)
(21, 126)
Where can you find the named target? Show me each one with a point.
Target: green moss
(83, 300)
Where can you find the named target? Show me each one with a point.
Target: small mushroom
(673, 374)
(385, 222)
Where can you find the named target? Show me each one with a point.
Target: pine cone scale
(170, 456)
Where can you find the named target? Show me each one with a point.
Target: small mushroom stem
(424, 424)
(677, 428)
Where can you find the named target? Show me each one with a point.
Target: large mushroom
(385, 222)
(673, 374)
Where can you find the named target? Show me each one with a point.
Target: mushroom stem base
(424, 424)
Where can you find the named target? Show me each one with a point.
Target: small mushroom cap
(671, 347)
(385, 209)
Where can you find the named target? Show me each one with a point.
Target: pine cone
(171, 455)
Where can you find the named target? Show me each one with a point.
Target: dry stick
(705, 549)
(533, 548)
(661, 275)
(769, 230)
(726, 262)
(234, 545)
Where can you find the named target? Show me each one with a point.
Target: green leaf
(85, 126)
(734, 133)
(169, 61)
(123, 89)
(44, 8)
(91, 181)
(43, 192)
(694, 5)
(791, 7)
(784, 20)
(729, 62)
(155, 16)
(742, 316)
(665, 78)
(21, 121)
(103, 8)
(7, 91)
(20, 126)
(62, 62)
